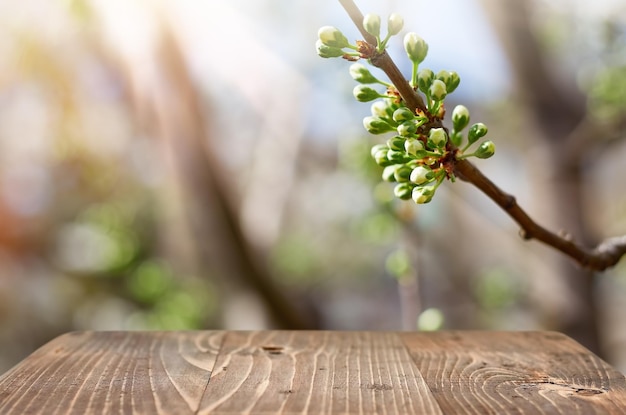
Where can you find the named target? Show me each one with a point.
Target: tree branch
(384, 61)
(605, 255)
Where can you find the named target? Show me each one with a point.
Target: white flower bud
(438, 90)
(364, 93)
(380, 109)
(361, 74)
(421, 175)
(460, 117)
(416, 48)
(437, 138)
(371, 23)
(413, 146)
(331, 36)
(423, 194)
(395, 23)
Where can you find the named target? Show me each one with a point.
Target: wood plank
(113, 372)
(515, 373)
(315, 372)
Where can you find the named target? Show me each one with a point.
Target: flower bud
(396, 156)
(485, 150)
(407, 129)
(403, 114)
(326, 51)
(423, 194)
(453, 82)
(382, 108)
(443, 76)
(371, 23)
(375, 125)
(402, 174)
(395, 23)
(364, 93)
(460, 117)
(437, 138)
(476, 131)
(388, 173)
(415, 148)
(396, 143)
(438, 90)
(425, 79)
(416, 48)
(403, 191)
(361, 74)
(421, 175)
(376, 148)
(331, 36)
(381, 157)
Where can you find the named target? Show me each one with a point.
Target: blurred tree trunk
(557, 108)
(168, 106)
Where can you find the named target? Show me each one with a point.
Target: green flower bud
(453, 82)
(416, 48)
(485, 150)
(381, 158)
(396, 143)
(361, 74)
(421, 175)
(423, 194)
(326, 51)
(376, 148)
(395, 23)
(425, 79)
(414, 147)
(476, 131)
(460, 117)
(437, 138)
(396, 157)
(371, 23)
(403, 114)
(407, 129)
(388, 173)
(331, 36)
(438, 90)
(375, 125)
(443, 76)
(402, 174)
(364, 93)
(403, 191)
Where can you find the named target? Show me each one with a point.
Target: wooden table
(289, 372)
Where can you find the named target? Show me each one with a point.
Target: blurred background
(195, 165)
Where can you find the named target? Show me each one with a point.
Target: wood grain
(112, 372)
(312, 372)
(316, 372)
(516, 373)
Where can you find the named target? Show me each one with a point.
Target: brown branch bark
(605, 255)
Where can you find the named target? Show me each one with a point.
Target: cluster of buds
(421, 152)
(331, 43)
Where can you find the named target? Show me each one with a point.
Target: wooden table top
(306, 372)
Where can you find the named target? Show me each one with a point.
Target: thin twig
(605, 255)
(384, 61)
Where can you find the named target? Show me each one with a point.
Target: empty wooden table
(312, 372)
